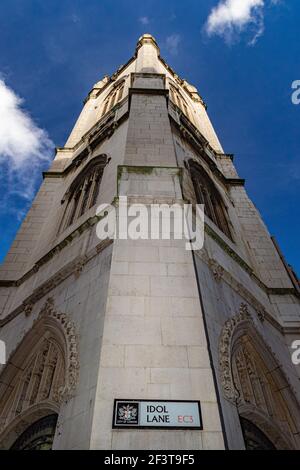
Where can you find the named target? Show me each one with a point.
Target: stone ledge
(74, 266)
(148, 91)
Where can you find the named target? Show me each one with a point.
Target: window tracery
(179, 101)
(113, 98)
(207, 194)
(83, 192)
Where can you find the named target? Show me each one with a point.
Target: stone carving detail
(230, 392)
(72, 359)
(217, 269)
(257, 387)
(79, 266)
(261, 313)
(50, 369)
(27, 307)
(249, 379)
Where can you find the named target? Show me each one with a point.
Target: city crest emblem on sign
(127, 413)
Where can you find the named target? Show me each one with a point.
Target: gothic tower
(87, 321)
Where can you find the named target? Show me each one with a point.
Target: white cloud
(24, 148)
(75, 18)
(231, 16)
(144, 20)
(172, 43)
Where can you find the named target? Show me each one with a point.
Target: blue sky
(52, 52)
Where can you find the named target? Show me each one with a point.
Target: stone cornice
(240, 288)
(200, 144)
(235, 181)
(53, 252)
(74, 267)
(53, 174)
(225, 155)
(148, 91)
(134, 75)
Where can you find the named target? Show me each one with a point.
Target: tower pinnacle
(147, 39)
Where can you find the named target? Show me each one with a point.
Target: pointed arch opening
(208, 195)
(114, 97)
(180, 102)
(40, 375)
(39, 435)
(254, 381)
(254, 438)
(83, 192)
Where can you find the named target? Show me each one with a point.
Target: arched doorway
(255, 383)
(38, 436)
(254, 438)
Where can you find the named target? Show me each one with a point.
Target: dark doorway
(254, 438)
(38, 436)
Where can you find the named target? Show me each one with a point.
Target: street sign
(157, 414)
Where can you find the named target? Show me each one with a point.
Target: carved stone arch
(41, 373)
(253, 380)
(267, 425)
(16, 428)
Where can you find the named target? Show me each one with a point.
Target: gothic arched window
(207, 194)
(39, 376)
(259, 396)
(180, 102)
(83, 192)
(113, 98)
(41, 379)
(253, 381)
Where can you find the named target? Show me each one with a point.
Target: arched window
(113, 98)
(83, 192)
(178, 99)
(257, 391)
(41, 374)
(207, 194)
(41, 380)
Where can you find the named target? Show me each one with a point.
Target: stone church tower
(87, 321)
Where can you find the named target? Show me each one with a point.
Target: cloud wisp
(231, 17)
(144, 20)
(24, 149)
(172, 43)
